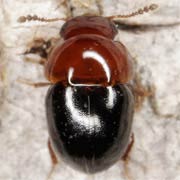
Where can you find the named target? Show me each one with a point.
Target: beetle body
(89, 107)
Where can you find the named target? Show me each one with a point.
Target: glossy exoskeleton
(89, 107)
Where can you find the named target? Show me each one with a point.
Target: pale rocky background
(23, 130)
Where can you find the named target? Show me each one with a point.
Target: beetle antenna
(23, 19)
(140, 11)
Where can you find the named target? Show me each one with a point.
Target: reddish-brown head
(88, 25)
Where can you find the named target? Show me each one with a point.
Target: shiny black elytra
(89, 126)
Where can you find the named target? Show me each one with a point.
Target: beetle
(89, 105)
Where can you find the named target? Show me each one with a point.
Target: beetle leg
(53, 159)
(125, 157)
(42, 61)
(52, 154)
(129, 148)
(36, 85)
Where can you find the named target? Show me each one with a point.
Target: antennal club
(140, 11)
(23, 19)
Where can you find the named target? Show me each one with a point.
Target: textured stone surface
(23, 132)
